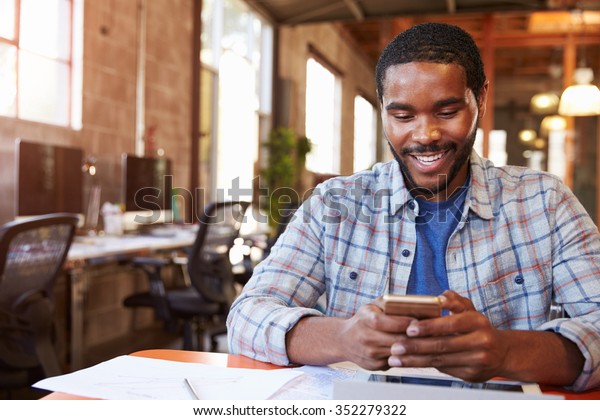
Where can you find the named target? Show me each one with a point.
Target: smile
(429, 160)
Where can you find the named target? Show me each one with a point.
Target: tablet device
(418, 384)
(493, 385)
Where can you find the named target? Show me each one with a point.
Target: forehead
(419, 77)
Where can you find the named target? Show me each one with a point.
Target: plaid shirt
(524, 241)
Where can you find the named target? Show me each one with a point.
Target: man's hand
(365, 339)
(466, 345)
(368, 336)
(463, 344)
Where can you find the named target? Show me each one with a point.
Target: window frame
(315, 55)
(70, 120)
(374, 140)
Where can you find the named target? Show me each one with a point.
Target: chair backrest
(209, 266)
(32, 253)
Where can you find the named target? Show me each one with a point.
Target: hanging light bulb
(553, 123)
(582, 98)
(544, 103)
(527, 135)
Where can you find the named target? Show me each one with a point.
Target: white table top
(87, 247)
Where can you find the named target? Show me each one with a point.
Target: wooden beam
(489, 48)
(569, 62)
(195, 108)
(355, 9)
(451, 6)
(597, 185)
(520, 40)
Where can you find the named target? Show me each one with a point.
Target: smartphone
(414, 306)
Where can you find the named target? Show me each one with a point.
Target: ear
(482, 102)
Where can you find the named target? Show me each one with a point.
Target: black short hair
(434, 43)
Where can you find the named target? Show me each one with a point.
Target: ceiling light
(527, 135)
(544, 103)
(553, 123)
(582, 98)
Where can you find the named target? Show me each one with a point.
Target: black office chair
(244, 272)
(32, 254)
(202, 306)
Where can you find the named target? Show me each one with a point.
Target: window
(365, 134)
(497, 147)
(237, 50)
(38, 77)
(322, 118)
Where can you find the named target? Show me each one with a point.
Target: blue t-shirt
(435, 223)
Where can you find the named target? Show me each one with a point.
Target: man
(499, 245)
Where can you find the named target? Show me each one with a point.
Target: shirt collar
(400, 194)
(479, 199)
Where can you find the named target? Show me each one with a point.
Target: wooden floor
(150, 338)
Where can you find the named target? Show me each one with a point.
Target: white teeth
(428, 160)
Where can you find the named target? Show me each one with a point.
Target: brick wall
(110, 71)
(109, 93)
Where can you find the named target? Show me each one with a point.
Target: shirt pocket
(349, 287)
(517, 300)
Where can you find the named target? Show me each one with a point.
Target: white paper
(134, 378)
(316, 383)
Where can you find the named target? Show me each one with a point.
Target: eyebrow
(401, 106)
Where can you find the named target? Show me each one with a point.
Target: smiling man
(499, 245)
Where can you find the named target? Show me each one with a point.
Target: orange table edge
(238, 361)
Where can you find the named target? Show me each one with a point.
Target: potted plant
(282, 175)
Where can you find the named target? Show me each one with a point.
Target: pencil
(189, 385)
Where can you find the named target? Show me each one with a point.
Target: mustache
(428, 148)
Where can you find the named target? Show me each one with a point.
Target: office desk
(237, 361)
(87, 252)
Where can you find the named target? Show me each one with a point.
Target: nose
(426, 131)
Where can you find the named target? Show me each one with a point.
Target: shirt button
(411, 205)
(519, 280)
(405, 252)
(353, 275)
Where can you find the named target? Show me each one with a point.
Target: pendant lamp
(582, 98)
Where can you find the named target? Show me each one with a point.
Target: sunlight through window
(321, 119)
(365, 133)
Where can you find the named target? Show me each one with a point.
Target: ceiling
(311, 11)
(519, 72)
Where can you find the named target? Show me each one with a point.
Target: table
(89, 251)
(237, 361)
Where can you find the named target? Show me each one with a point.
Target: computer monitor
(147, 186)
(49, 179)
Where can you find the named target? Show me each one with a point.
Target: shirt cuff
(274, 333)
(587, 339)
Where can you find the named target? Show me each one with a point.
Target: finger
(470, 366)
(479, 341)
(439, 360)
(378, 339)
(461, 323)
(378, 303)
(372, 356)
(455, 303)
(374, 318)
(461, 365)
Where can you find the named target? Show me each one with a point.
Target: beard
(461, 157)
